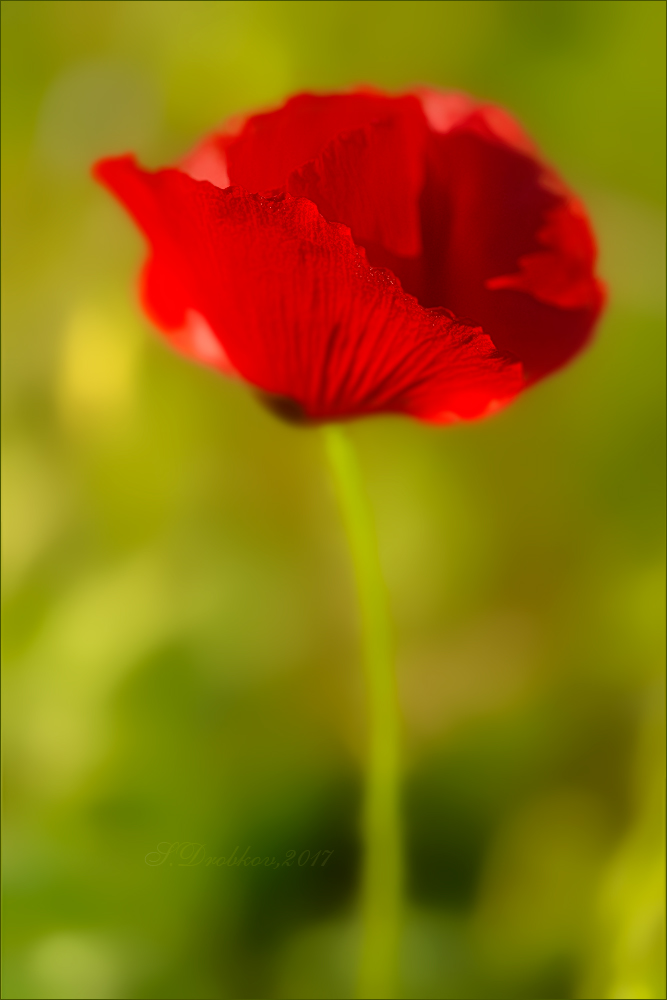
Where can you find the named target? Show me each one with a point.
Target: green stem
(381, 822)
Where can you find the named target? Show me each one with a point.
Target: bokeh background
(180, 631)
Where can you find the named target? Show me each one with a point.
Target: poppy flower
(357, 253)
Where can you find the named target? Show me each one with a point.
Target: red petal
(297, 308)
(559, 275)
(270, 146)
(504, 242)
(371, 178)
(446, 110)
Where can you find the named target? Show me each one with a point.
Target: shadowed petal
(270, 146)
(505, 244)
(560, 274)
(371, 179)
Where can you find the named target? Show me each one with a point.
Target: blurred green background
(180, 631)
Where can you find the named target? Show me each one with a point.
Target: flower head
(359, 253)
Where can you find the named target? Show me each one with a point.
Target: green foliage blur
(180, 632)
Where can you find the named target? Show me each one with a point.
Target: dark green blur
(180, 637)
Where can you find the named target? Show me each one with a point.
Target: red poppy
(358, 253)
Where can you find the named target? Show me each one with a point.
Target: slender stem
(381, 822)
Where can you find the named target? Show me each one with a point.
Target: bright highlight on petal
(197, 339)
